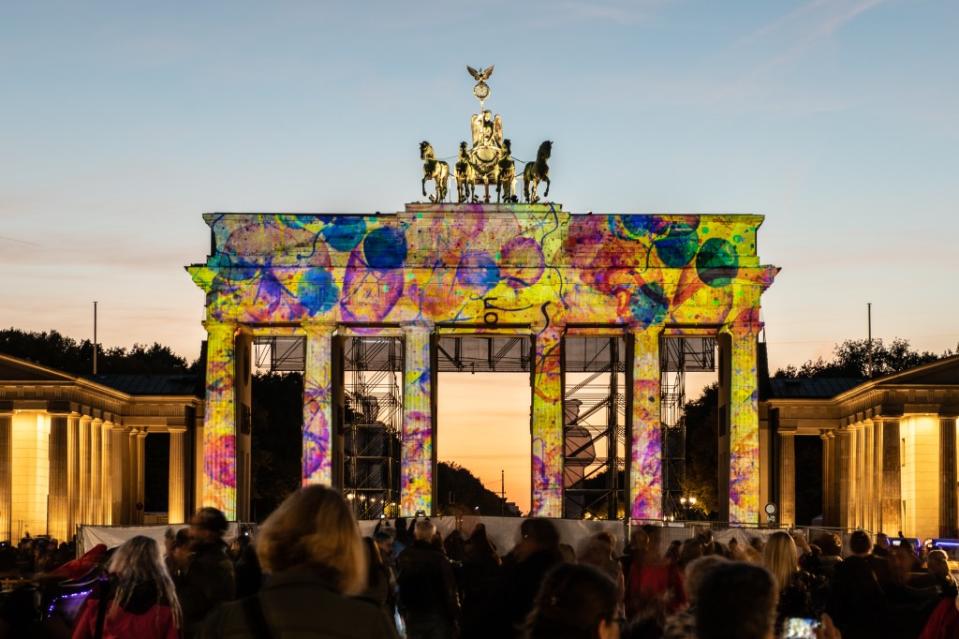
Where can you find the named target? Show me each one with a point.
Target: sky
(120, 123)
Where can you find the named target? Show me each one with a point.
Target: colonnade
(95, 475)
(645, 490)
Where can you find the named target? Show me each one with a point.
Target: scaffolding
(371, 422)
(594, 427)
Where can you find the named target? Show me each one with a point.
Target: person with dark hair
(575, 602)
(380, 586)
(208, 578)
(428, 596)
(480, 573)
(139, 600)
(736, 600)
(858, 600)
(524, 570)
(246, 567)
(682, 625)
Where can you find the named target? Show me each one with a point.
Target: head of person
(208, 525)
(540, 533)
(691, 550)
(137, 564)
(314, 528)
(882, 541)
(574, 602)
(424, 531)
(736, 600)
(937, 563)
(479, 534)
(697, 570)
(781, 558)
(384, 538)
(859, 543)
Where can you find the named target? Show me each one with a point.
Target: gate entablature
(533, 268)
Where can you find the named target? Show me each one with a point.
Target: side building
(108, 450)
(888, 459)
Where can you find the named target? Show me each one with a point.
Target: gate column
(744, 465)
(646, 450)
(547, 427)
(218, 484)
(416, 440)
(317, 464)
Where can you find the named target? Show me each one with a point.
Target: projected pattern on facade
(526, 267)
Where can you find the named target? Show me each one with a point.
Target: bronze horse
(435, 170)
(536, 172)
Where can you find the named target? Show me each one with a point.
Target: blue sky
(120, 123)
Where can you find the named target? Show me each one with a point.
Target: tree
(851, 359)
(702, 447)
(460, 491)
(67, 354)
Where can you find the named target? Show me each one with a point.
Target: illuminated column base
(176, 506)
(416, 457)
(106, 481)
(548, 425)
(646, 454)
(948, 514)
(73, 472)
(219, 423)
(96, 461)
(6, 478)
(744, 463)
(58, 500)
(317, 465)
(787, 477)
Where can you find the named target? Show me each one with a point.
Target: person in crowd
(401, 537)
(831, 546)
(881, 549)
(655, 586)
(795, 586)
(455, 545)
(736, 600)
(575, 601)
(380, 586)
(427, 587)
(246, 567)
(138, 601)
(178, 554)
(599, 551)
(524, 570)
(682, 625)
(858, 600)
(937, 566)
(311, 549)
(207, 580)
(691, 550)
(480, 573)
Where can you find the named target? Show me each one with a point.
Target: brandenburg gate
(531, 270)
(518, 269)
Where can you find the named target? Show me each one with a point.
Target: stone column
(877, 469)
(787, 477)
(826, 479)
(744, 458)
(891, 471)
(141, 439)
(106, 470)
(6, 478)
(847, 460)
(84, 494)
(416, 440)
(120, 468)
(547, 426)
(73, 472)
(317, 465)
(646, 454)
(96, 465)
(176, 507)
(948, 506)
(131, 489)
(219, 422)
(58, 498)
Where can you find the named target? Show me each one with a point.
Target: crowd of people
(309, 573)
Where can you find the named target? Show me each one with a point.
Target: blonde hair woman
(311, 549)
(796, 587)
(139, 600)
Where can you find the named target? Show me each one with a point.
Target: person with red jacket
(139, 600)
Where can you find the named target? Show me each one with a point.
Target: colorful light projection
(494, 266)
